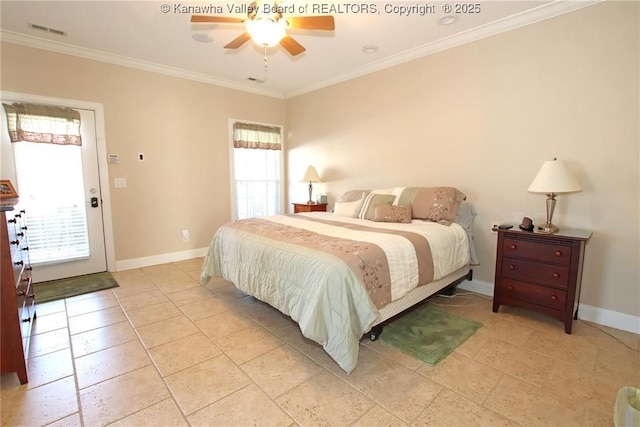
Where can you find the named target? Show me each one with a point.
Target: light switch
(121, 182)
(114, 159)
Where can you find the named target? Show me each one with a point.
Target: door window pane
(51, 187)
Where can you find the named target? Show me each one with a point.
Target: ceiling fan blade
(292, 46)
(221, 19)
(238, 41)
(325, 22)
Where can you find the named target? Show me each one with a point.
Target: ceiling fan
(267, 27)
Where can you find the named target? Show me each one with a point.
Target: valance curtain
(43, 123)
(255, 136)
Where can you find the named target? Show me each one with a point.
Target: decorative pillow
(392, 213)
(352, 195)
(439, 204)
(367, 211)
(350, 209)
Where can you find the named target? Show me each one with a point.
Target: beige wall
(484, 117)
(180, 125)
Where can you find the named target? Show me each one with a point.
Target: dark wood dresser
(542, 272)
(17, 307)
(309, 207)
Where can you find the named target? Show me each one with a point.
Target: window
(54, 199)
(257, 170)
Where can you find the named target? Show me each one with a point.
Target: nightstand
(309, 207)
(541, 272)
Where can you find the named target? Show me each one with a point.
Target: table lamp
(553, 177)
(310, 176)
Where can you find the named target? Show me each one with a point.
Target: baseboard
(601, 316)
(614, 319)
(477, 286)
(129, 264)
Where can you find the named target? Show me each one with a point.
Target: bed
(341, 274)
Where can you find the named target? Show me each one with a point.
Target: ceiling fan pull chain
(266, 61)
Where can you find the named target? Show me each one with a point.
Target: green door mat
(72, 286)
(428, 333)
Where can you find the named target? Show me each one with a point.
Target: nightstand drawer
(548, 274)
(548, 252)
(306, 207)
(540, 295)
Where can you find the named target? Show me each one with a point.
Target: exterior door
(59, 188)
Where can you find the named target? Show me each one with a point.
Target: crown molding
(550, 10)
(96, 55)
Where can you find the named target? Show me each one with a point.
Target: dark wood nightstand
(542, 272)
(309, 207)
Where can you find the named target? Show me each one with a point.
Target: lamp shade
(311, 175)
(554, 177)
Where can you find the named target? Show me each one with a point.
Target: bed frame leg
(375, 332)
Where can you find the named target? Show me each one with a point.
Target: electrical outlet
(185, 235)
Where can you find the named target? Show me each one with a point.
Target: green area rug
(65, 288)
(428, 333)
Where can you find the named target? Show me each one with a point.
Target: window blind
(43, 123)
(51, 191)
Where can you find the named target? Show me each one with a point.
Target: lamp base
(310, 202)
(548, 228)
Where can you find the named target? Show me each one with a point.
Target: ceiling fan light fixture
(265, 31)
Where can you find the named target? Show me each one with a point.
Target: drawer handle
(513, 247)
(24, 228)
(554, 298)
(21, 293)
(12, 220)
(26, 248)
(558, 254)
(20, 234)
(19, 263)
(512, 267)
(556, 275)
(26, 320)
(15, 242)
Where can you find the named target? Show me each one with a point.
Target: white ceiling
(139, 34)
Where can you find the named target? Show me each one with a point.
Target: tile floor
(162, 350)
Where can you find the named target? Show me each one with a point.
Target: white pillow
(350, 209)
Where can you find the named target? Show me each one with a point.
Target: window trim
(232, 179)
